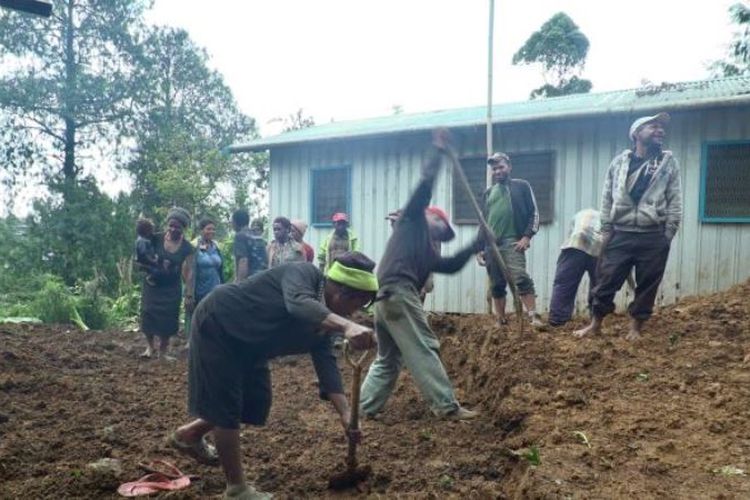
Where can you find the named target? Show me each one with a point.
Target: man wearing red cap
(510, 210)
(404, 335)
(641, 212)
(341, 240)
(429, 285)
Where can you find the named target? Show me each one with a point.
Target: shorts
(227, 383)
(516, 262)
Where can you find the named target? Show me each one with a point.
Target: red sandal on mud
(162, 476)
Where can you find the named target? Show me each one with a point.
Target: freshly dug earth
(663, 417)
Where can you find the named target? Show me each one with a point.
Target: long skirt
(160, 309)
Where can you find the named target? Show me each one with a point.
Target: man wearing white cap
(641, 212)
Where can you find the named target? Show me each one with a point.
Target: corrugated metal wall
(704, 257)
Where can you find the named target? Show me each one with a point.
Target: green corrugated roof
(669, 97)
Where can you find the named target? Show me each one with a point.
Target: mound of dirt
(664, 416)
(561, 417)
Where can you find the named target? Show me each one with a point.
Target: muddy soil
(663, 417)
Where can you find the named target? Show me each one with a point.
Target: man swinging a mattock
(404, 335)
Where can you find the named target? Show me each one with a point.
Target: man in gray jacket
(641, 211)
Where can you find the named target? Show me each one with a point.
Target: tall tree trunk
(69, 162)
(69, 165)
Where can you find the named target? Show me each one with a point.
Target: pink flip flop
(166, 477)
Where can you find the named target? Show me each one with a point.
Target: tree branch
(44, 128)
(104, 119)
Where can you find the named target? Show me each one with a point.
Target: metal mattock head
(355, 362)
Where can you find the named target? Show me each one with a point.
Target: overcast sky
(344, 59)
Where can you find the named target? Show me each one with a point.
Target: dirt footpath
(601, 418)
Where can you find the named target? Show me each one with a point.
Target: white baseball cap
(662, 118)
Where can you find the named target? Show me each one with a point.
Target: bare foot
(633, 335)
(589, 330)
(536, 321)
(747, 358)
(595, 328)
(636, 327)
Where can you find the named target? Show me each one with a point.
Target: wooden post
(488, 133)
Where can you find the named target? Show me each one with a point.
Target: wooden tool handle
(351, 458)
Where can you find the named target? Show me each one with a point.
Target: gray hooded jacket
(660, 207)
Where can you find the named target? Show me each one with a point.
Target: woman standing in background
(160, 301)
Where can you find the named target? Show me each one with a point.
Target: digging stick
(353, 475)
(489, 236)
(351, 456)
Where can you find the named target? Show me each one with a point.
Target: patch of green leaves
(530, 454)
(729, 470)
(445, 482)
(533, 456)
(426, 435)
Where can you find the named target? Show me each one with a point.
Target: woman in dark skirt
(160, 301)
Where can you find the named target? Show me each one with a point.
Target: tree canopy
(69, 81)
(737, 61)
(186, 116)
(94, 87)
(561, 49)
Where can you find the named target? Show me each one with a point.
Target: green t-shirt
(500, 212)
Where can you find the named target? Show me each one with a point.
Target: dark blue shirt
(250, 246)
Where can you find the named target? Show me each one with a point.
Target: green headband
(353, 278)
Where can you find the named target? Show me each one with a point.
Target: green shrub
(94, 311)
(125, 309)
(10, 307)
(54, 303)
(226, 247)
(92, 304)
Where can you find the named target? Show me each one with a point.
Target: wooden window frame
(314, 172)
(457, 188)
(704, 184)
(544, 218)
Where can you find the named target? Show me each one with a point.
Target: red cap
(338, 216)
(444, 216)
(439, 212)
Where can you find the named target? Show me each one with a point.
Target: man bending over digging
(290, 309)
(401, 325)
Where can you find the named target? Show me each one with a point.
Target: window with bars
(476, 173)
(536, 168)
(725, 182)
(330, 193)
